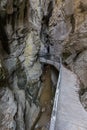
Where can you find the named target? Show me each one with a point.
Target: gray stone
(8, 108)
(20, 98)
(33, 114)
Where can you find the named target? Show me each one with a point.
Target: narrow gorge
(34, 36)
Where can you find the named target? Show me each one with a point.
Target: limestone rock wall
(28, 27)
(20, 42)
(67, 31)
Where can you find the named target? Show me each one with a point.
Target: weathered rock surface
(29, 27)
(8, 108)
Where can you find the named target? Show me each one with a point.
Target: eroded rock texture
(27, 27)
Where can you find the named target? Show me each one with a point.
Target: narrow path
(70, 115)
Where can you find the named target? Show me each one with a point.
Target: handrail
(56, 99)
(48, 56)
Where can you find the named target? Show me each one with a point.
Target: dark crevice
(26, 11)
(50, 9)
(3, 36)
(13, 20)
(77, 55)
(46, 18)
(72, 21)
(45, 24)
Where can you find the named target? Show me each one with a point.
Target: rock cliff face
(27, 27)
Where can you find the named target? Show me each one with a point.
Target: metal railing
(56, 100)
(58, 61)
(49, 56)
